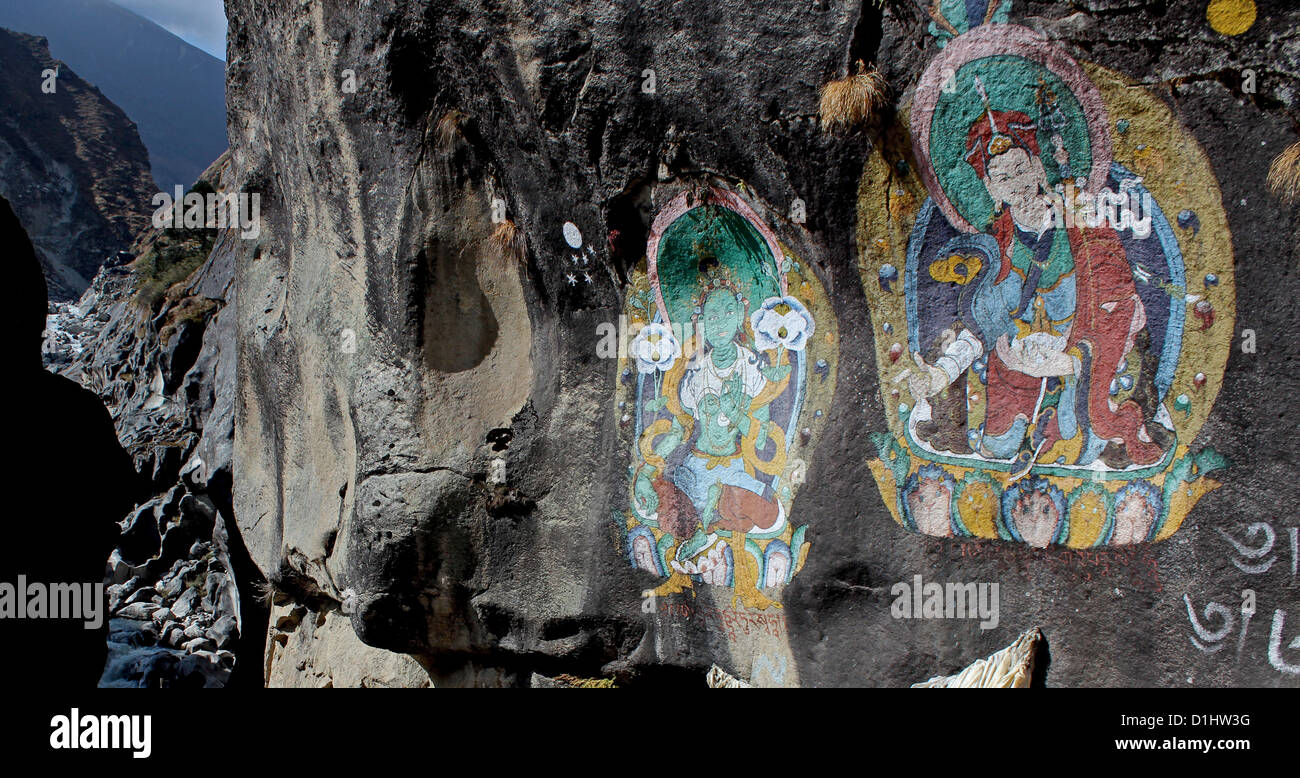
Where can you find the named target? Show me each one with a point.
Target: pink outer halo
(992, 40)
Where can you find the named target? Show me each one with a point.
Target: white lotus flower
(782, 321)
(655, 348)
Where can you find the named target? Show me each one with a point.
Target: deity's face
(1017, 179)
(721, 317)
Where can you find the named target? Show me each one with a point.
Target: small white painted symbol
(1258, 542)
(572, 235)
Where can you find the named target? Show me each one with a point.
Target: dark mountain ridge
(72, 164)
(174, 91)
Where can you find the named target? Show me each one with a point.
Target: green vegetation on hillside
(169, 256)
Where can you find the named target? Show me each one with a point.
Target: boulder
(198, 644)
(174, 635)
(170, 586)
(140, 611)
(143, 594)
(223, 631)
(119, 592)
(185, 605)
(119, 570)
(140, 540)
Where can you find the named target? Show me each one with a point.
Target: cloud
(200, 23)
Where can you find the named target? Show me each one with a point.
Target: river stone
(143, 594)
(140, 611)
(223, 631)
(198, 644)
(185, 605)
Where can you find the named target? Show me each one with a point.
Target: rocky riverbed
(155, 349)
(177, 629)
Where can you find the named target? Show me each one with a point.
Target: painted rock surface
(1056, 374)
(723, 391)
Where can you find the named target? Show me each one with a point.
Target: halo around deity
(1005, 68)
(721, 230)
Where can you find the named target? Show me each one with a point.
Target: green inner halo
(713, 240)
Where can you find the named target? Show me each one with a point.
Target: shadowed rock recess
(448, 476)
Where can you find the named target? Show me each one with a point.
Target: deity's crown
(997, 132)
(713, 279)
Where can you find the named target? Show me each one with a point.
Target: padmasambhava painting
(721, 395)
(1049, 343)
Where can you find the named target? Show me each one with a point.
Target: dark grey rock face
(69, 541)
(426, 437)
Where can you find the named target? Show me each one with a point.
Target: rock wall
(72, 164)
(595, 340)
(62, 449)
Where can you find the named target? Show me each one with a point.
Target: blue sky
(200, 23)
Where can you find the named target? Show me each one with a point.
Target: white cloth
(959, 355)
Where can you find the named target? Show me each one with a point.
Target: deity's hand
(1051, 364)
(670, 441)
(647, 501)
(1010, 358)
(1035, 359)
(926, 380)
(739, 412)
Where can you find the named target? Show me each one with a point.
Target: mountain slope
(72, 164)
(173, 91)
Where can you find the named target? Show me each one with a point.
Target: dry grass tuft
(853, 100)
(266, 592)
(448, 128)
(507, 242)
(1284, 174)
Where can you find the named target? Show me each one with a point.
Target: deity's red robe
(1102, 275)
